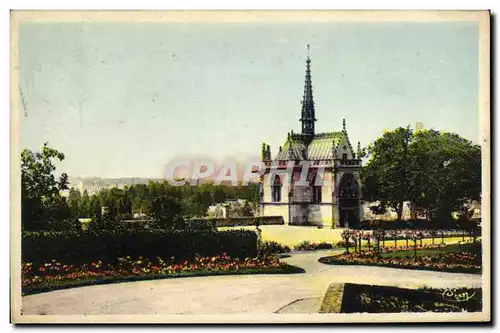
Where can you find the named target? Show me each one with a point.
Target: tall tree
(387, 176)
(39, 187)
(85, 208)
(95, 207)
(167, 212)
(440, 172)
(74, 198)
(447, 173)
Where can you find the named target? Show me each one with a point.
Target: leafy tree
(388, 172)
(219, 195)
(167, 212)
(447, 173)
(74, 199)
(440, 172)
(39, 187)
(95, 207)
(85, 207)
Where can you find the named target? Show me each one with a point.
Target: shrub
(342, 243)
(108, 245)
(246, 221)
(308, 246)
(272, 247)
(124, 217)
(71, 224)
(199, 225)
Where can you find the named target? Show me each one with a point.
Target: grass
(66, 284)
(430, 252)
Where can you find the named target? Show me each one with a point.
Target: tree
(74, 198)
(95, 207)
(85, 207)
(387, 174)
(438, 171)
(166, 212)
(219, 195)
(39, 187)
(447, 173)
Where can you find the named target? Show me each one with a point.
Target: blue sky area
(123, 99)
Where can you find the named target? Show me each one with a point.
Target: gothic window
(317, 194)
(316, 190)
(348, 187)
(276, 189)
(344, 156)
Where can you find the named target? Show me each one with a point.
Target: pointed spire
(263, 151)
(334, 149)
(343, 125)
(359, 150)
(308, 114)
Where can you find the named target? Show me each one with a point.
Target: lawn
(294, 235)
(472, 248)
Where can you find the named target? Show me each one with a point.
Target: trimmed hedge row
(84, 247)
(245, 221)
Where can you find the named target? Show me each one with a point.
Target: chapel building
(328, 192)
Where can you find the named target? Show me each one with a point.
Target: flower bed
(384, 299)
(464, 262)
(55, 275)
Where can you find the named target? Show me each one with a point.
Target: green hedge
(83, 247)
(245, 221)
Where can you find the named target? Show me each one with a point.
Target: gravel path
(290, 293)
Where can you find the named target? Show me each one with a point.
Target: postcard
(250, 166)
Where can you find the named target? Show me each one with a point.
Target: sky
(125, 99)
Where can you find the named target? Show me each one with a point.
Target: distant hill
(128, 181)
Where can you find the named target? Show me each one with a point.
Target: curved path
(233, 294)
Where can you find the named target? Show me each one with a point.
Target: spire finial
(308, 51)
(359, 150)
(343, 124)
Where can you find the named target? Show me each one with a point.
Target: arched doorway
(348, 199)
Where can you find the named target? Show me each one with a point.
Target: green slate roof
(320, 147)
